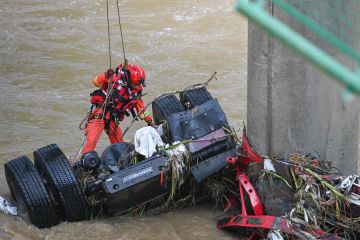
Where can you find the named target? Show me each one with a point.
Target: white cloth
(146, 140)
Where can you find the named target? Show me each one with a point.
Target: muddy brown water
(50, 51)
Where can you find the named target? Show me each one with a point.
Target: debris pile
(323, 199)
(301, 197)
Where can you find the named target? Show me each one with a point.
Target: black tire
(163, 107)
(57, 172)
(28, 189)
(194, 97)
(117, 156)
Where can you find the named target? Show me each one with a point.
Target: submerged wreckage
(52, 190)
(300, 197)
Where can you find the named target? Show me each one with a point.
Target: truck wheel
(60, 178)
(29, 191)
(163, 107)
(194, 97)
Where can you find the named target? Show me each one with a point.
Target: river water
(50, 51)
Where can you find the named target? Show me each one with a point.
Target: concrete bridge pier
(292, 106)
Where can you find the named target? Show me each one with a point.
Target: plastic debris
(7, 207)
(160, 130)
(268, 165)
(146, 141)
(176, 149)
(274, 235)
(177, 162)
(350, 187)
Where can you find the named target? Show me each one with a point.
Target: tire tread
(194, 97)
(164, 107)
(32, 190)
(56, 169)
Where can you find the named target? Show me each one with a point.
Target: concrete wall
(294, 107)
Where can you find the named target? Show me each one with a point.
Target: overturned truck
(51, 189)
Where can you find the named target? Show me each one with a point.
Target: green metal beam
(255, 12)
(318, 29)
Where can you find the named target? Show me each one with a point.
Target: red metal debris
(258, 220)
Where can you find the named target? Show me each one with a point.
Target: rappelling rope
(108, 27)
(111, 83)
(122, 44)
(97, 116)
(109, 89)
(122, 38)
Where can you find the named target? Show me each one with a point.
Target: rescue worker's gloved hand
(97, 100)
(129, 106)
(125, 108)
(120, 116)
(97, 97)
(149, 121)
(119, 113)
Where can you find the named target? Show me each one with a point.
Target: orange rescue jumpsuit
(99, 121)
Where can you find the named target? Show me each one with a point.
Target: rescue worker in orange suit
(126, 84)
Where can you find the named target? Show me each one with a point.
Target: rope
(97, 116)
(122, 38)
(108, 26)
(110, 84)
(109, 91)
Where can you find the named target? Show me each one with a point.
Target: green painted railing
(256, 13)
(319, 30)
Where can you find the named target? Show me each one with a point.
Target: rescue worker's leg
(145, 115)
(92, 133)
(115, 133)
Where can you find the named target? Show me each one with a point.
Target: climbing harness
(110, 84)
